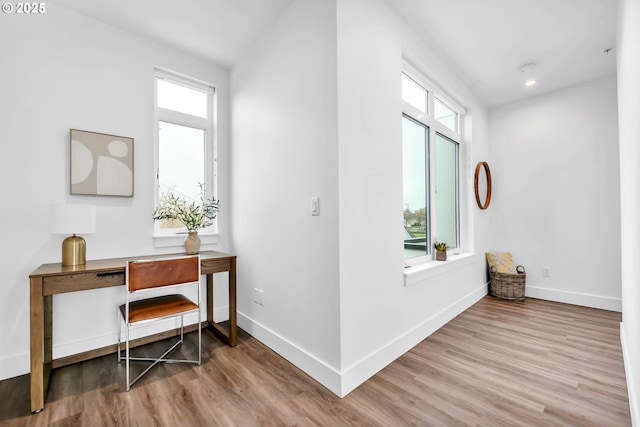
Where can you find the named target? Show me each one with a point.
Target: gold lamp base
(74, 251)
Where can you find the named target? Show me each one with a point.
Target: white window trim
(432, 87)
(184, 80)
(434, 127)
(177, 239)
(425, 271)
(211, 234)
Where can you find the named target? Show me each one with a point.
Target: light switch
(315, 206)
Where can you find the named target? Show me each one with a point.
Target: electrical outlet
(546, 271)
(258, 296)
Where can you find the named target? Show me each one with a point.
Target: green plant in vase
(441, 251)
(193, 214)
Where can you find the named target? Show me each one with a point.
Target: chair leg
(127, 353)
(162, 358)
(119, 335)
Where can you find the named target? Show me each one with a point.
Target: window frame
(456, 127)
(428, 168)
(175, 237)
(434, 128)
(457, 186)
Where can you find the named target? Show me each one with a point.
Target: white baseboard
(586, 300)
(19, 364)
(358, 373)
(343, 382)
(326, 375)
(631, 391)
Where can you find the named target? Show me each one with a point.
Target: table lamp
(73, 219)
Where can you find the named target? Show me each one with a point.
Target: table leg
(233, 319)
(230, 336)
(37, 339)
(47, 324)
(210, 297)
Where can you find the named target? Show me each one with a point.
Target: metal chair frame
(124, 315)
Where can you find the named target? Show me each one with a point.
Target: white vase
(192, 243)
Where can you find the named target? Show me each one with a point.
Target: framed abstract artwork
(101, 164)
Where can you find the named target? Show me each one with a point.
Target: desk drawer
(81, 281)
(214, 265)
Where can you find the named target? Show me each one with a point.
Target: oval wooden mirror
(482, 185)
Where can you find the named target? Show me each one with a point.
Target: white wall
(556, 197)
(61, 70)
(284, 152)
(629, 111)
(380, 317)
(316, 112)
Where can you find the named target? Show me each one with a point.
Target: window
(430, 160)
(445, 115)
(447, 190)
(414, 94)
(415, 168)
(184, 142)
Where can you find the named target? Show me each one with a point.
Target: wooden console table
(50, 279)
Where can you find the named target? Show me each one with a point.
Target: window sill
(177, 240)
(419, 273)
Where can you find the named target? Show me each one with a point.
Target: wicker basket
(508, 285)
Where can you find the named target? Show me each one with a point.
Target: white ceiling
(486, 41)
(216, 30)
(489, 41)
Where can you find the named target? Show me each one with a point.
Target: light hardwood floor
(499, 363)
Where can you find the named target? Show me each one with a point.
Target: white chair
(145, 276)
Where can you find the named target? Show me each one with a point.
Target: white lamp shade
(73, 219)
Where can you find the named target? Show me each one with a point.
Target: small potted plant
(193, 214)
(441, 251)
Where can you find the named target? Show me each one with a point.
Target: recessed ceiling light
(527, 69)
